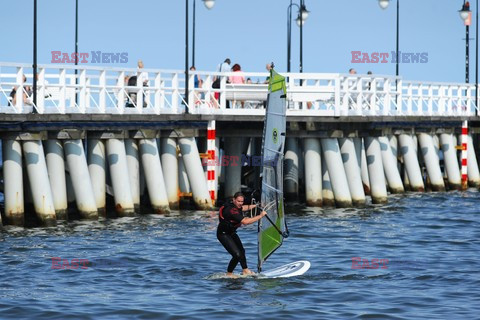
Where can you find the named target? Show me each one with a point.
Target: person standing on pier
(230, 218)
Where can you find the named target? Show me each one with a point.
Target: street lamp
(209, 5)
(384, 4)
(302, 16)
(465, 15)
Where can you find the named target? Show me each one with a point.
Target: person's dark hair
(238, 194)
(132, 81)
(236, 67)
(227, 60)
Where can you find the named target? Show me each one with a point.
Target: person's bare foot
(231, 275)
(247, 272)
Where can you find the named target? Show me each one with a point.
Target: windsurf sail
(272, 228)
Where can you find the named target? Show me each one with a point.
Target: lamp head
(209, 4)
(383, 3)
(465, 11)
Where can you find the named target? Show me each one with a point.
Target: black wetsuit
(230, 218)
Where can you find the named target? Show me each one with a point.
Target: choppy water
(157, 267)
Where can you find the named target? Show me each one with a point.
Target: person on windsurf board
(230, 218)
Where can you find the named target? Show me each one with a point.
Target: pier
(94, 140)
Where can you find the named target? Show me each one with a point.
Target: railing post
(430, 100)
(103, 91)
(442, 91)
(158, 93)
(41, 90)
(399, 104)
(19, 93)
(387, 101)
(175, 92)
(62, 83)
(373, 95)
(121, 91)
(468, 110)
(410, 99)
(83, 90)
(338, 108)
(223, 86)
(140, 92)
(191, 91)
(89, 94)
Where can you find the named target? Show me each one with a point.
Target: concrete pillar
(450, 161)
(338, 178)
(183, 183)
(117, 161)
(133, 165)
(195, 174)
(362, 158)
(170, 171)
(375, 170)
(328, 198)
(313, 172)
(80, 177)
(13, 182)
(432, 163)
(56, 173)
(410, 159)
(290, 177)
(154, 175)
(352, 169)
(39, 182)
(97, 168)
(389, 160)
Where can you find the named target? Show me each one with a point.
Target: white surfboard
(289, 270)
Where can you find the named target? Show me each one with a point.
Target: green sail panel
(272, 229)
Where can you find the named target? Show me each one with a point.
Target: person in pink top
(238, 77)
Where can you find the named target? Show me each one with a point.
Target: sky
(249, 32)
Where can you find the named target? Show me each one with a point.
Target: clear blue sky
(249, 32)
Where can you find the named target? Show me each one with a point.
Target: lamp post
(209, 5)
(186, 57)
(465, 15)
(34, 53)
(76, 35)
(76, 48)
(384, 4)
(302, 16)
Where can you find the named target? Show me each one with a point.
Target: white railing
(65, 89)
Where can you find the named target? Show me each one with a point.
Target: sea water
(170, 267)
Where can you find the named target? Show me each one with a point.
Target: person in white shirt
(225, 66)
(143, 77)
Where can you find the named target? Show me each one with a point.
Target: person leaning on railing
(27, 93)
(237, 78)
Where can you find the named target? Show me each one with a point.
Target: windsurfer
(230, 218)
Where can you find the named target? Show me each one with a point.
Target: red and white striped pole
(211, 163)
(464, 154)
